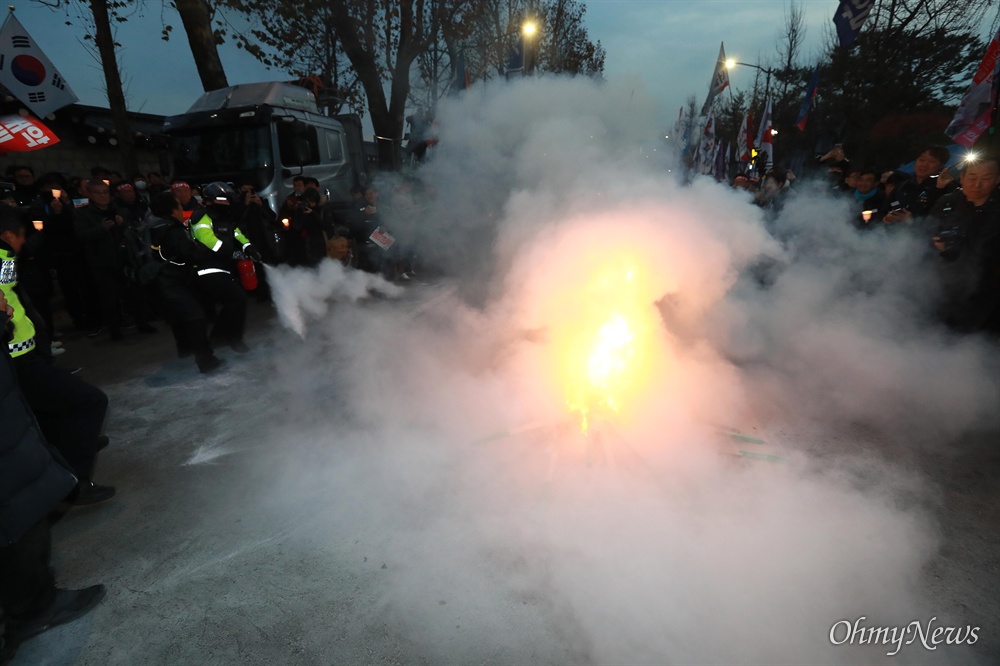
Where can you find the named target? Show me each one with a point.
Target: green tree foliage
(884, 100)
(894, 90)
(730, 109)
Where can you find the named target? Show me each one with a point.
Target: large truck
(266, 134)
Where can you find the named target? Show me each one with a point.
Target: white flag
(28, 74)
(764, 139)
(720, 80)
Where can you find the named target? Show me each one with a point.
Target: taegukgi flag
(28, 74)
(720, 80)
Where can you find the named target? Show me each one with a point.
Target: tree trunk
(198, 26)
(387, 118)
(113, 82)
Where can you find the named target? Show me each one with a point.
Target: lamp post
(730, 63)
(529, 29)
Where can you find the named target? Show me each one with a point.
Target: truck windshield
(241, 152)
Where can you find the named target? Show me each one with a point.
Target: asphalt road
(217, 550)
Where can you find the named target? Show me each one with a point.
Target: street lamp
(529, 29)
(730, 63)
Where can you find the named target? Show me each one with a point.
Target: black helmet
(218, 193)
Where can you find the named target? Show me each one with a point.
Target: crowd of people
(128, 253)
(97, 236)
(954, 211)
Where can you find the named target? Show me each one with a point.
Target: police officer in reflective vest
(70, 411)
(215, 228)
(171, 273)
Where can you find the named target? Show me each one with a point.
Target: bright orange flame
(608, 345)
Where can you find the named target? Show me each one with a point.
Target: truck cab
(266, 134)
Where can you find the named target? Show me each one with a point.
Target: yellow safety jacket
(23, 340)
(203, 231)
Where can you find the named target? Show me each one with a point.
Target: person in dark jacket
(70, 411)
(915, 197)
(174, 255)
(99, 228)
(54, 207)
(967, 238)
(260, 225)
(34, 479)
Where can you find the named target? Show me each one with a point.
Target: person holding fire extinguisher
(215, 228)
(169, 270)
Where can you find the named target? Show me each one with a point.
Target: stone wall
(77, 160)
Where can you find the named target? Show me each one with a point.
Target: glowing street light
(732, 62)
(528, 31)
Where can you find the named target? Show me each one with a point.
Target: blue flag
(461, 82)
(807, 101)
(515, 61)
(851, 14)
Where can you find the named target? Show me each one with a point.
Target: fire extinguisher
(248, 275)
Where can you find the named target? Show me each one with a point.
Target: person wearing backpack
(170, 270)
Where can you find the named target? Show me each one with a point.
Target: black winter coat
(101, 246)
(970, 266)
(33, 476)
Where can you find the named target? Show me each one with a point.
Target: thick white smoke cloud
(435, 427)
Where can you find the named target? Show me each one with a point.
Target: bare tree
(790, 43)
(97, 16)
(197, 15)
(299, 38)
(382, 40)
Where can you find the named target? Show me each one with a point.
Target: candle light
(38, 224)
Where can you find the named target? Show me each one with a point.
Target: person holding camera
(913, 197)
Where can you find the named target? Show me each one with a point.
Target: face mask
(140, 185)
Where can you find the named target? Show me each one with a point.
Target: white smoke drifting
(434, 430)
